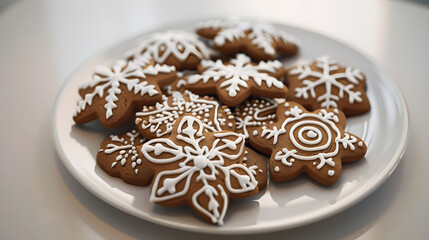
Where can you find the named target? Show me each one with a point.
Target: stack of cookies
(211, 107)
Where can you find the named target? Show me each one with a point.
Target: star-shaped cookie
(311, 142)
(235, 80)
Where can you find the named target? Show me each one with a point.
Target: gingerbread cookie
(326, 84)
(254, 113)
(236, 80)
(257, 164)
(113, 93)
(179, 48)
(199, 168)
(311, 142)
(258, 40)
(119, 157)
(158, 120)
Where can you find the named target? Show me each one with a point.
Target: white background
(42, 42)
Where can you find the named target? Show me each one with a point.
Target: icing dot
(255, 133)
(336, 111)
(229, 124)
(133, 165)
(360, 144)
(292, 160)
(314, 163)
(311, 134)
(277, 169)
(331, 173)
(114, 164)
(286, 104)
(136, 171)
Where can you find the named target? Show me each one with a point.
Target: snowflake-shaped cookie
(119, 157)
(236, 80)
(311, 142)
(254, 113)
(179, 48)
(326, 84)
(259, 40)
(113, 93)
(158, 120)
(199, 168)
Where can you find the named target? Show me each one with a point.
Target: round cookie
(326, 84)
(179, 48)
(113, 93)
(258, 40)
(254, 113)
(158, 120)
(235, 80)
(310, 142)
(199, 168)
(119, 157)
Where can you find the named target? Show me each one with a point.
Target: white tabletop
(42, 42)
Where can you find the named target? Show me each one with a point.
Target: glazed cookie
(257, 164)
(158, 120)
(326, 84)
(179, 48)
(258, 40)
(113, 93)
(311, 142)
(254, 113)
(236, 80)
(119, 157)
(199, 168)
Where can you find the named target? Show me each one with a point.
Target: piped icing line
(203, 161)
(130, 74)
(237, 73)
(261, 35)
(330, 81)
(178, 43)
(166, 114)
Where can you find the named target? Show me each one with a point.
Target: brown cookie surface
(199, 168)
(179, 48)
(235, 80)
(179, 85)
(257, 164)
(310, 142)
(158, 120)
(113, 93)
(119, 157)
(259, 40)
(326, 84)
(254, 113)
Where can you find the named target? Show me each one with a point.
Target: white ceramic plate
(281, 205)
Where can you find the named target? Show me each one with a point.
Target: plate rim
(339, 207)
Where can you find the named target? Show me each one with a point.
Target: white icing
(178, 43)
(328, 99)
(130, 74)
(255, 132)
(360, 144)
(120, 147)
(277, 169)
(306, 123)
(331, 173)
(204, 161)
(238, 73)
(261, 35)
(251, 116)
(164, 115)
